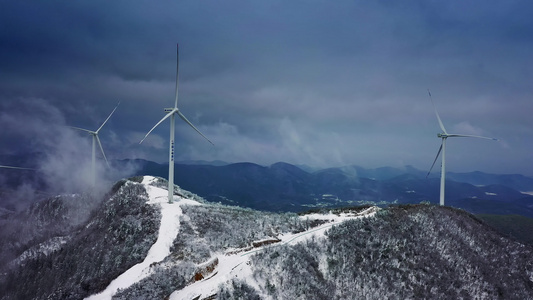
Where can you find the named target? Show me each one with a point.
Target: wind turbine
(96, 139)
(171, 112)
(18, 168)
(444, 135)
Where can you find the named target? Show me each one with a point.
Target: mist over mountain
(72, 255)
(131, 244)
(57, 171)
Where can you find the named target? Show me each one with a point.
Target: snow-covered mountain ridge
(134, 245)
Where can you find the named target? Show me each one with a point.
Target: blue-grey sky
(322, 83)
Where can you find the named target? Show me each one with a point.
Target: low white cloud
(62, 154)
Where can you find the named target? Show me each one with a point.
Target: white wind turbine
(171, 112)
(18, 168)
(444, 135)
(96, 139)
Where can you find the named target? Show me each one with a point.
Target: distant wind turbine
(96, 139)
(171, 112)
(444, 135)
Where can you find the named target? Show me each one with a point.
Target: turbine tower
(444, 135)
(171, 112)
(96, 139)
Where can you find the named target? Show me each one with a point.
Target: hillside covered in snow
(132, 244)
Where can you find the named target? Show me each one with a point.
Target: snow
(528, 193)
(234, 264)
(168, 230)
(237, 265)
(490, 194)
(45, 248)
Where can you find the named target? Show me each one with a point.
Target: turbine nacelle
(442, 135)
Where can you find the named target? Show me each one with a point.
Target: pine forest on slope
(226, 252)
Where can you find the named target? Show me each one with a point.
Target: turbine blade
(164, 118)
(434, 161)
(89, 131)
(473, 136)
(185, 119)
(108, 118)
(437, 114)
(177, 74)
(18, 168)
(102, 149)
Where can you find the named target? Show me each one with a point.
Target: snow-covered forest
(133, 245)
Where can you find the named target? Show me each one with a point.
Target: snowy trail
(235, 265)
(168, 230)
(238, 265)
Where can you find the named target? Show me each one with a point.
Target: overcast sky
(322, 83)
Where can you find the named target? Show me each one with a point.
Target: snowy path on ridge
(168, 230)
(237, 265)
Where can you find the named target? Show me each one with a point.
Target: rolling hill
(132, 244)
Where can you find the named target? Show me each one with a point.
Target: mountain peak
(133, 238)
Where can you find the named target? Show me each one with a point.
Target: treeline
(404, 252)
(166, 278)
(54, 217)
(216, 228)
(205, 231)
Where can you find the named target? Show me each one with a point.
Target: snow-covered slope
(45, 248)
(135, 245)
(169, 228)
(235, 263)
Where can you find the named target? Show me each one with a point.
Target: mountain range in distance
(295, 188)
(286, 187)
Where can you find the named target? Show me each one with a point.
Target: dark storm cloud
(315, 82)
